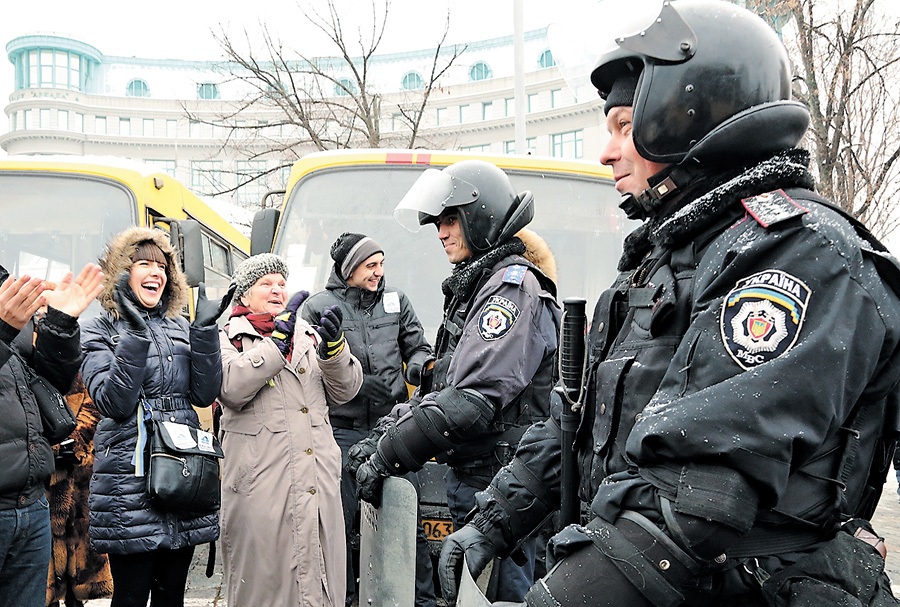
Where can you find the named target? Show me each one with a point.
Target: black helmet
(489, 210)
(714, 84)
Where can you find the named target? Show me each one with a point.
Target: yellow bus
(576, 212)
(57, 213)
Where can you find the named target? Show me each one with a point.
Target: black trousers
(160, 575)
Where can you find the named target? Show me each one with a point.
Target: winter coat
(76, 569)
(25, 454)
(282, 523)
(383, 332)
(169, 368)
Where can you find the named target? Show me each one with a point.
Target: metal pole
(521, 107)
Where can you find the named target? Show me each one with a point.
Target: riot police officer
(742, 371)
(495, 351)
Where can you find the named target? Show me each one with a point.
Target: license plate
(436, 529)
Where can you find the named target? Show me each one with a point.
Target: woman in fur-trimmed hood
(143, 361)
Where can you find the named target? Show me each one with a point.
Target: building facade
(70, 98)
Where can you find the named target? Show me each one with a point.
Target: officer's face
(368, 274)
(630, 170)
(450, 233)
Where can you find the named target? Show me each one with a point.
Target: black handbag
(56, 416)
(184, 468)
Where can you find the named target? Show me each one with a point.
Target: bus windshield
(53, 223)
(577, 215)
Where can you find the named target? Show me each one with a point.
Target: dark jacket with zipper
(25, 453)
(383, 333)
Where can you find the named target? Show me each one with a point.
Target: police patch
(762, 316)
(497, 317)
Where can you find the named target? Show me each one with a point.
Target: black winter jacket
(383, 332)
(25, 454)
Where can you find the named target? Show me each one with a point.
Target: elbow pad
(453, 417)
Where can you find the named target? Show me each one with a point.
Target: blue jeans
(24, 555)
(513, 581)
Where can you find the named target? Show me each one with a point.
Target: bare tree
(317, 103)
(847, 61)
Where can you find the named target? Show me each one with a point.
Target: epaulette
(772, 207)
(514, 274)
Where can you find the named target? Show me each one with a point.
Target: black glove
(329, 330)
(127, 310)
(470, 542)
(414, 374)
(207, 312)
(363, 450)
(283, 334)
(369, 478)
(376, 389)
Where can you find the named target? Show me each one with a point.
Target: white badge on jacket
(391, 302)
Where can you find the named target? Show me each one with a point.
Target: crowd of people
(715, 461)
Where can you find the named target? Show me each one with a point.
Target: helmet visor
(433, 192)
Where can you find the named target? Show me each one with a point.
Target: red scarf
(263, 323)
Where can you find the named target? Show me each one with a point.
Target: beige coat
(282, 527)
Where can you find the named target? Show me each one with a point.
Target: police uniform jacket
(750, 333)
(383, 333)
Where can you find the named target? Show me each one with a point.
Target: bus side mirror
(262, 235)
(186, 237)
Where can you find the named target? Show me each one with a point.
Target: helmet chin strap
(663, 187)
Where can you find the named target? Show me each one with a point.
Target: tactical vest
(486, 455)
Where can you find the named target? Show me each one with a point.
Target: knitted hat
(350, 250)
(621, 92)
(254, 268)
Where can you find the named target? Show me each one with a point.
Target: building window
(206, 176)
(100, 125)
(510, 106)
(486, 110)
(441, 115)
(555, 98)
(29, 120)
(62, 120)
(125, 127)
(476, 148)
(509, 147)
(165, 166)
(148, 127)
(200, 130)
(78, 125)
(137, 88)
(45, 119)
(344, 88)
(171, 129)
(251, 193)
(207, 90)
(568, 145)
(462, 112)
(285, 175)
(480, 71)
(532, 102)
(50, 68)
(546, 59)
(412, 81)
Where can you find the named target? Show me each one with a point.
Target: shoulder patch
(772, 207)
(496, 318)
(514, 274)
(762, 316)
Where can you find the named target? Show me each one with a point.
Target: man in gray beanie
(384, 334)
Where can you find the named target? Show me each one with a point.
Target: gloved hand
(207, 312)
(329, 330)
(414, 374)
(470, 542)
(127, 310)
(369, 478)
(376, 389)
(363, 450)
(283, 333)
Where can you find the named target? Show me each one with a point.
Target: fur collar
(720, 197)
(117, 259)
(525, 243)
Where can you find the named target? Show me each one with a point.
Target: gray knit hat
(350, 250)
(254, 268)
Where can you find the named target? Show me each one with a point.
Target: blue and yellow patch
(514, 274)
(762, 316)
(497, 317)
